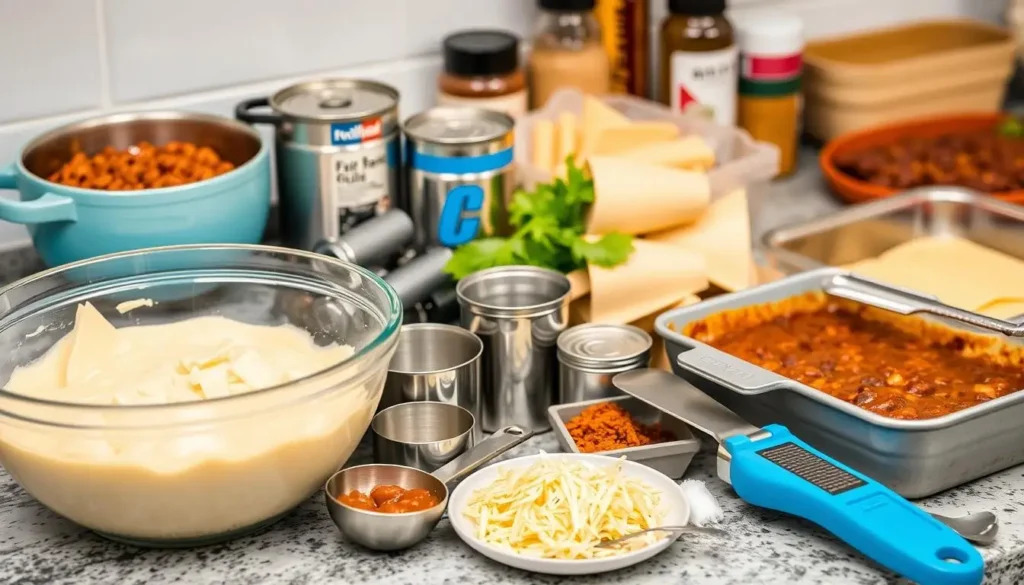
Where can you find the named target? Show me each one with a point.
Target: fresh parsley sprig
(549, 224)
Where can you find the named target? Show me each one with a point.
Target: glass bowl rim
(389, 331)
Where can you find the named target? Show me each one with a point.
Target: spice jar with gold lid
(481, 69)
(567, 51)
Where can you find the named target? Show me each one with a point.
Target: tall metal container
(518, 312)
(460, 174)
(338, 155)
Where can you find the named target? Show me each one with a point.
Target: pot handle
(47, 208)
(243, 112)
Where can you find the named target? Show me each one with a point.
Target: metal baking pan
(916, 458)
(865, 231)
(671, 458)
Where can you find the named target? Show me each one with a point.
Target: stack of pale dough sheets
(959, 272)
(650, 182)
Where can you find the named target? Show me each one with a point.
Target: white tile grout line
(101, 31)
(245, 89)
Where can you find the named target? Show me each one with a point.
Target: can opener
(771, 468)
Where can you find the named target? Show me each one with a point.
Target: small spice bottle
(698, 60)
(625, 30)
(567, 51)
(771, 62)
(481, 69)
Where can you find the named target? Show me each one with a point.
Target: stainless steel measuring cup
(424, 435)
(388, 532)
(438, 363)
(518, 312)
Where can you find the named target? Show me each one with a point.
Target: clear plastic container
(741, 161)
(191, 473)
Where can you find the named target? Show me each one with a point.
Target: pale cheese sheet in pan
(959, 272)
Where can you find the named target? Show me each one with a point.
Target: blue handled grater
(770, 467)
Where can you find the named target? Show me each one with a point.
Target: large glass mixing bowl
(196, 472)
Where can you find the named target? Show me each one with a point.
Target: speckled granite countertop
(38, 547)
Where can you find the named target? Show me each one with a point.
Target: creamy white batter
(192, 479)
(204, 357)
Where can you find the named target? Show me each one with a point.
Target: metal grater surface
(810, 467)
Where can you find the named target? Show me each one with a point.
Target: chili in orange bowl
(836, 156)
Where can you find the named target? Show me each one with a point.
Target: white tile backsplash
(51, 59)
(67, 59)
(193, 45)
(429, 21)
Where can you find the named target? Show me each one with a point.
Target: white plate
(675, 505)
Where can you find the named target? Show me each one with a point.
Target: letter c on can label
(454, 229)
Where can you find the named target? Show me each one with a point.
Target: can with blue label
(459, 174)
(338, 155)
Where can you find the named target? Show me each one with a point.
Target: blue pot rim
(162, 195)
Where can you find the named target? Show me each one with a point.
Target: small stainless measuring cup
(424, 435)
(435, 362)
(389, 532)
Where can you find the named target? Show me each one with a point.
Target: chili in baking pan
(895, 366)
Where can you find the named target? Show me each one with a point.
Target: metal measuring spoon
(674, 532)
(977, 527)
(390, 532)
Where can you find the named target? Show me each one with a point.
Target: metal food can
(460, 174)
(590, 355)
(338, 155)
(518, 312)
(376, 243)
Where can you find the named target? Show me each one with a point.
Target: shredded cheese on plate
(558, 509)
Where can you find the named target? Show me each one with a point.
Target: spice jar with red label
(771, 47)
(481, 69)
(698, 60)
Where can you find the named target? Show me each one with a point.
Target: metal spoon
(674, 531)
(977, 527)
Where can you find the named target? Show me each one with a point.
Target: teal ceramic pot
(69, 223)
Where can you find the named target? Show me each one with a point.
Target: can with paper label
(338, 155)
(460, 174)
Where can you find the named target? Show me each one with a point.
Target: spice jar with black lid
(481, 69)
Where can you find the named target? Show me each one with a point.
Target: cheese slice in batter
(205, 357)
(93, 343)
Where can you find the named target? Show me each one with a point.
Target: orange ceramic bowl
(855, 190)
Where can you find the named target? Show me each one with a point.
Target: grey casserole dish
(916, 458)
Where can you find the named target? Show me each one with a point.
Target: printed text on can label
(460, 219)
(360, 173)
(454, 228)
(350, 133)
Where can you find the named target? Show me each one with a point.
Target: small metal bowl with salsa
(392, 507)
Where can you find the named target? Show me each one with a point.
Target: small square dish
(671, 458)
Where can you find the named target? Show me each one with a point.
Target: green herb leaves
(1012, 127)
(549, 226)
